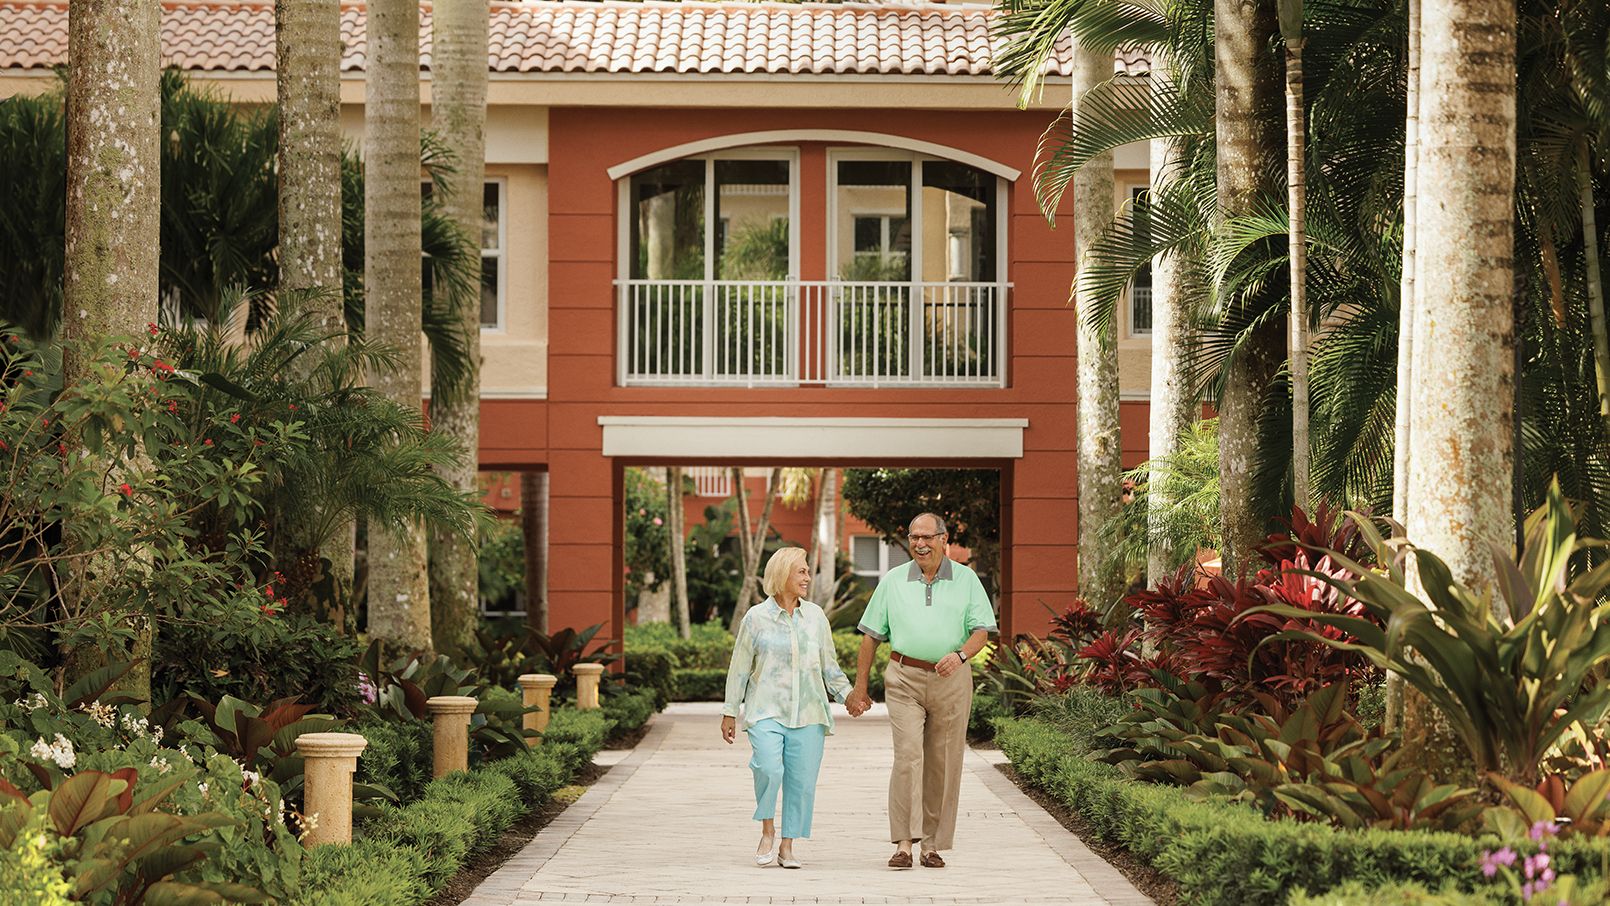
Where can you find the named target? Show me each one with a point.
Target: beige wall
(1134, 352)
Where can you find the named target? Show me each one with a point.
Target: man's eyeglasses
(923, 539)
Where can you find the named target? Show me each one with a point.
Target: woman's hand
(729, 729)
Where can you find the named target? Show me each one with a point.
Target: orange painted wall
(585, 579)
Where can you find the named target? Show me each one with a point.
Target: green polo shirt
(928, 620)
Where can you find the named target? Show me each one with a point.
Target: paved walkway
(670, 823)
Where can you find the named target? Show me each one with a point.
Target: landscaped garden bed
(1268, 777)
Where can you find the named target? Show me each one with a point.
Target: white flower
(252, 777)
(31, 703)
(161, 764)
(105, 715)
(60, 751)
(202, 786)
(156, 732)
(134, 723)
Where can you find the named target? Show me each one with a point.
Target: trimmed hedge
(398, 756)
(405, 854)
(628, 709)
(1227, 854)
(650, 668)
(699, 685)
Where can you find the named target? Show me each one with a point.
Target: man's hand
(729, 729)
(949, 664)
(858, 702)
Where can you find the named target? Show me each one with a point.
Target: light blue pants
(786, 760)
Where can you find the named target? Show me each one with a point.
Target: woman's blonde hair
(780, 568)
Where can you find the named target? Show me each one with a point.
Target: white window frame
(501, 254)
(854, 153)
(884, 548)
(625, 218)
(502, 184)
(1132, 190)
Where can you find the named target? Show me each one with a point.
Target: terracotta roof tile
(612, 36)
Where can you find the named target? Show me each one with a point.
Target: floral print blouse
(784, 666)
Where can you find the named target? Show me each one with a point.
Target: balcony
(789, 333)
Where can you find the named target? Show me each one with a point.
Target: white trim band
(794, 439)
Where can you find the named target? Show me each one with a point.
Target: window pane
(897, 556)
(489, 291)
(864, 553)
(668, 229)
(752, 211)
(874, 195)
(489, 217)
(958, 230)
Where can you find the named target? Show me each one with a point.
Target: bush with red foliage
(1328, 530)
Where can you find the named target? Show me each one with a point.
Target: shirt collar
(914, 574)
(775, 610)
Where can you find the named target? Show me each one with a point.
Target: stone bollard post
(536, 691)
(330, 759)
(587, 679)
(450, 744)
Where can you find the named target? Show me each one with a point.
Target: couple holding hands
(935, 616)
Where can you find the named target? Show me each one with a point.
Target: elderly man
(935, 615)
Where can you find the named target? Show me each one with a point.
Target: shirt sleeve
(875, 621)
(980, 613)
(743, 663)
(838, 685)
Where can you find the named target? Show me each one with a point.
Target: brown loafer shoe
(932, 860)
(900, 860)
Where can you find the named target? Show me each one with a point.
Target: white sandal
(764, 859)
(791, 863)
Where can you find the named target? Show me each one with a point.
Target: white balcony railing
(783, 333)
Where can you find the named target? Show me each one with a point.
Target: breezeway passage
(671, 824)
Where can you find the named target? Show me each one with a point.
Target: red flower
(163, 369)
(134, 353)
(27, 373)
(234, 419)
(62, 449)
(152, 328)
(125, 490)
(268, 590)
(293, 407)
(267, 610)
(45, 421)
(173, 405)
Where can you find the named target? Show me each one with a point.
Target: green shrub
(457, 815)
(710, 645)
(650, 667)
(536, 774)
(398, 756)
(628, 709)
(699, 685)
(1226, 854)
(1401, 894)
(981, 721)
(370, 872)
(585, 729)
(260, 661)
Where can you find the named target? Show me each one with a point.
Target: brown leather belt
(899, 658)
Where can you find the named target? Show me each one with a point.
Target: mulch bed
(1147, 879)
(482, 864)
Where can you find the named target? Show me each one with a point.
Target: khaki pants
(928, 713)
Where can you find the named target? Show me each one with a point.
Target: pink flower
(1492, 861)
(658, 521)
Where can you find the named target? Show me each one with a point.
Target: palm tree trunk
(1172, 402)
(1401, 445)
(1590, 240)
(678, 551)
(1463, 369)
(399, 590)
(1296, 184)
(113, 207)
(534, 526)
(458, 114)
(1100, 450)
(1246, 89)
(307, 66)
(826, 569)
(755, 545)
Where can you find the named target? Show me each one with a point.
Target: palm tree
(825, 539)
(398, 586)
(677, 540)
(751, 538)
(458, 113)
(1100, 450)
(1291, 31)
(534, 530)
(307, 67)
(1406, 283)
(110, 265)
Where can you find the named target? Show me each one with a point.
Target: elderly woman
(783, 667)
